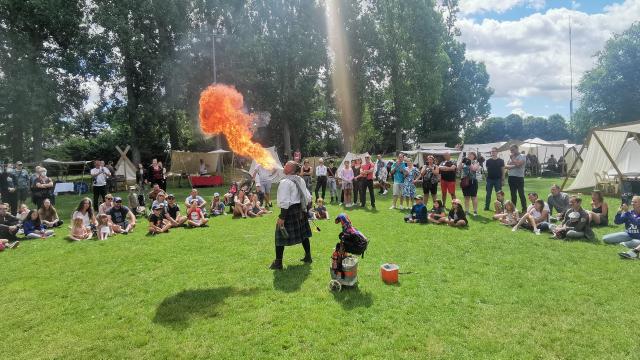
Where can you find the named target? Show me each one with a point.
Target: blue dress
(409, 189)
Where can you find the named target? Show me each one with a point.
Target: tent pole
(613, 162)
(573, 165)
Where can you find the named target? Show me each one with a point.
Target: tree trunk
(287, 139)
(397, 106)
(17, 143)
(37, 141)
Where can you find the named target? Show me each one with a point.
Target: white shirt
(288, 191)
(537, 214)
(86, 221)
(321, 170)
(100, 176)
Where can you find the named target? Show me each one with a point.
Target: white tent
(430, 149)
(186, 162)
(604, 146)
(277, 174)
(573, 158)
(628, 161)
(124, 166)
(482, 148)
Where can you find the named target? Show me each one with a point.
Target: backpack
(354, 243)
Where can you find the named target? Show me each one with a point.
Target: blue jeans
(621, 237)
(491, 184)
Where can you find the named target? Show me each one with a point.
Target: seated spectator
(23, 212)
(104, 229)
(85, 212)
(8, 224)
(599, 214)
(121, 218)
(418, 212)
(172, 213)
(106, 206)
(241, 204)
(631, 220)
(575, 223)
(510, 216)
(457, 216)
(534, 218)
(498, 205)
(155, 190)
(157, 223)
(217, 206)
(559, 201)
(254, 207)
(200, 201)
(230, 195)
(438, 215)
(34, 228)
(320, 212)
(78, 230)
(195, 216)
(6, 244)
(49, 215)
(160, 199)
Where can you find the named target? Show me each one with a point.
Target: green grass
(482, 292)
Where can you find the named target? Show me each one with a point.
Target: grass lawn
(482, 292)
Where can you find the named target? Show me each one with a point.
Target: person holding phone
(631, 220)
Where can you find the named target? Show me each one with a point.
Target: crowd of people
(347, 184)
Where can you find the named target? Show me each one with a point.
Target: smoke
(221, 112)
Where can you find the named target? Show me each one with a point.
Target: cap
(158, 206)
(170, 196)
(117, 199)
(216, 195)
(18, 162)
(418, 197)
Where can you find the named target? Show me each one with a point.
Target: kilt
(297, 226)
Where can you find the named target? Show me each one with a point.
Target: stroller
(344, 265)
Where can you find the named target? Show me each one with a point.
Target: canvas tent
(124, 166)
(604, 146)
(429, 149)
(484, 149)
(572, 157)
(185, 162)
(628, 160)
(277, 174)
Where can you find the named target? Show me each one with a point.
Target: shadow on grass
(290, 279)
(481, 219)
(351, 298)
(177, 310)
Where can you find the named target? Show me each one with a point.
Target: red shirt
(368, 167)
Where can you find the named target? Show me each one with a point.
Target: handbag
(465, 182)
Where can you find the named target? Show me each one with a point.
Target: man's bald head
(290, 167)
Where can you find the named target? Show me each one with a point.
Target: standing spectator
(305, 173)
(49, 215)
(558, 201)
(265, 179)
(321, 178)
(163, 184)
(332, 172)
(409, 188)
(99, 174)
(397, 171)
(495, 176)
(516, 165)
(297, 156)
(346, 176)
(154, 174)
(8, 190)
(357, 180)
(111, 180)
(470, 170)
(42, 187)
(383, 174)
(481, 161)
(23, 183)
(141, 177)
(367, 171)
(379, 165)
(430, 175)
(631, 220)
(447, 178)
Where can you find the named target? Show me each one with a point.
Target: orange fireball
(221, 112)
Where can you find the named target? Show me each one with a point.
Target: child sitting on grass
(104, 229)
(457, 216)
(79, 231)
(437, 215)
(498, 205)
(195, 217)
(254, 207)
(510, 216)
(418, 212)
(217, 206)
(33, 228)
(157, 223)
(23, 212)
(320, 211)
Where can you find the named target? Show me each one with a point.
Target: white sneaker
(392, 207)
(384, 192)
(401, 207)
(629, 255)
(536, 231)
(515, 228)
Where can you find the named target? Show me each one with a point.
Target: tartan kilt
(297, 226)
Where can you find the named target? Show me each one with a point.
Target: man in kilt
(292, 226)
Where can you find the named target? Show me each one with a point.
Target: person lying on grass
(438, 215)
(34, 228)
(104, 229)
(195, 217)
(418, 212)
(457, 216)
(509, 216)
(498, 205)
(79, 231)
(254, 207)
(217, 206)
(172, 212)
(575, 223)
(157, 223)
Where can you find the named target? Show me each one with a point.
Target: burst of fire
(221, 112)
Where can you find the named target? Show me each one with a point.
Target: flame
(221, 111)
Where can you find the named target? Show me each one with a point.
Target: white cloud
(499, 6)
(530, 56)
(515, 103)
(519, 111)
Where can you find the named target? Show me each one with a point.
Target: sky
(525, 47)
